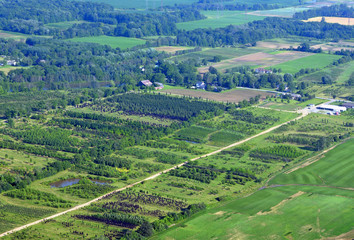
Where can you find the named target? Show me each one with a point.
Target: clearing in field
(114, 42)
(233, 96)
(315, 61)
(64, 25)
(218, 19)
(336, 46)
(339, 20)
(15, 35)
(257, 59)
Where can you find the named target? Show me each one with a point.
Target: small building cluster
(331, 109)
(148, 83)
(262, 71)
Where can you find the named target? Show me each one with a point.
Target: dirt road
(304, 113)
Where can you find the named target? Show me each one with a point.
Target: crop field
(339, 20)
(15, 35)
(259, 59)
(223, 53)
(219, 19)
(233, 96)
(334, 169)
(114, 42)
(316, 61)
(141, 4)
(266, 213)
(163, 201)
(64, 25)
(281, 12)
(335, 46)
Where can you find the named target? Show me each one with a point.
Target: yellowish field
(169, 49)
(339, 20)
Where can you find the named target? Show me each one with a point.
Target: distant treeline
(341, 10)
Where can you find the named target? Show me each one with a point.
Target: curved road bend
(304, 113)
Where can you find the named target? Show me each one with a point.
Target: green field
(333, 170)
(286, 212)
(281, 12)
(114, 42)
(218, 19)
(64, 25)
(315, 61)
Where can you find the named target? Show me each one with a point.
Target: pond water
(72, 181)
(191, 142)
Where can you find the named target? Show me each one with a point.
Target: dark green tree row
(335, 10)
(164, 106)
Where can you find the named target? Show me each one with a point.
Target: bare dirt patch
(344, 236)
(256, 59)
(339, 20)
(233, 96)
(170, 49)
(282, 203)
(219, 213)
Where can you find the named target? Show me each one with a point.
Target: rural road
(304, 113)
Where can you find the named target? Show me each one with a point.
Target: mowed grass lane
(335, 169)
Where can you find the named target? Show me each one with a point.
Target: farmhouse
(262, 71)
(332, 108)
(11, 62)
(348, 105)
(146, 83)
(200, 85)
(292, 95)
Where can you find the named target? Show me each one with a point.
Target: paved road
(304, 113)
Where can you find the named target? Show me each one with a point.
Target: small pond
(72, 181)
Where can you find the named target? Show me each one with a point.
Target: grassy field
(223, 53)
(263, 59)
(17, 36)
(333, 170)
(114, 42)
(7, 69)
(266, 215)
(314, 61)
(234, 96)
(281, 12)
(218, 19)
(64, 25)
(292, 105)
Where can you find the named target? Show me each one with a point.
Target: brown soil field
(171, 49)
(333, 46)
(256, 59)
(339, 20)
(233, 96)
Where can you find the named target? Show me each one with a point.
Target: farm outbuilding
(146, 83)
(332, 108)
(348, 105)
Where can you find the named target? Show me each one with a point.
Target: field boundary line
(149, 178)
